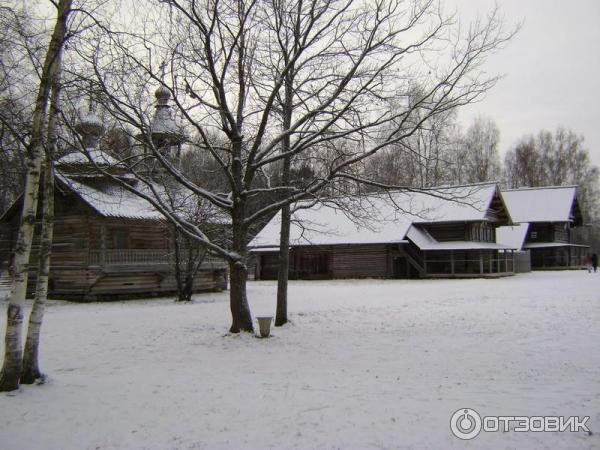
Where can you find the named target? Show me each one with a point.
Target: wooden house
(544, 219)
(108, 242)
(443, 232)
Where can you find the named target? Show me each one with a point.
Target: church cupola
(90, 128)
(164, 131)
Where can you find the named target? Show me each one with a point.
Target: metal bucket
(264, 324)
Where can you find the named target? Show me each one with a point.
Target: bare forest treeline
(440, 153)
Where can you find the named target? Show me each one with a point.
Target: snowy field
(365, 364)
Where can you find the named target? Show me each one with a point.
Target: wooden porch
(457, 263)
(480, 263)
(144, 259)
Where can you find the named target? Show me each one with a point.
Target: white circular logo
(465, 423)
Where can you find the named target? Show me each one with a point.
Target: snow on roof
(422, 239)
(546, 204)
(379, 218)
(79, 158)
(327, 224)
(552, 245)
(512, 236)
(112, 200)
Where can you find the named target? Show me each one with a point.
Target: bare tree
(188, 254)
(480, 147)
(19, 53)
(523, 165)
(421, 160)
(13, 355)
(347, 58)
(554, 159)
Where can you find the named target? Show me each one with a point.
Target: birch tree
(227, 75)
(30, 371)
(13, 354)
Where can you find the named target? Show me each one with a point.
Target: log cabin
(442, 232)
(544, 218)
(108, 242)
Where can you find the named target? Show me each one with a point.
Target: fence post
(480, 262)
(102, 245)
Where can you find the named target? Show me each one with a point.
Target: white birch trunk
(30, 370)
(13, 353)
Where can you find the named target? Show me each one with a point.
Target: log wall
(325, 262)
(356, 261)
(79, 236)
(445, 232)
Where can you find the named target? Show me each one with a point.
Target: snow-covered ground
(365, 364)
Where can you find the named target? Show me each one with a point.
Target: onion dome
(90, 128)
(163, 128)
(163, 95)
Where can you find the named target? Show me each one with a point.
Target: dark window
(120, 239)
(314, 264)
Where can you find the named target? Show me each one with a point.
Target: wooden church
(108, 242)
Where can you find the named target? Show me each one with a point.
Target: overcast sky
(552, 70)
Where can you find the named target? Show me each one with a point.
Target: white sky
(552, 70)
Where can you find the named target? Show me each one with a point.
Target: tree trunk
(13, 354)
(284, 240)
(240, 310)
(31, 371)
(177, 264)
(284, 267)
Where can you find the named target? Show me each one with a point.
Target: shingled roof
(383, 217)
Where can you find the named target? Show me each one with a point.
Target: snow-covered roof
(379, 218)
(327, 224)
(545, 204)
(80, 159)
(552, 245)
(111, 199)
(512, 236)
(422, 239)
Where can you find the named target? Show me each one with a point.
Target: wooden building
(108, 242)
(445, 232)
(545, 218)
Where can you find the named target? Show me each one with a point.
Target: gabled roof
(543, 204)
(110, 199)
(381, 218)
(422, 239)
(512, 236)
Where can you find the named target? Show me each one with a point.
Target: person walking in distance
(587, 261)
(595, 261)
